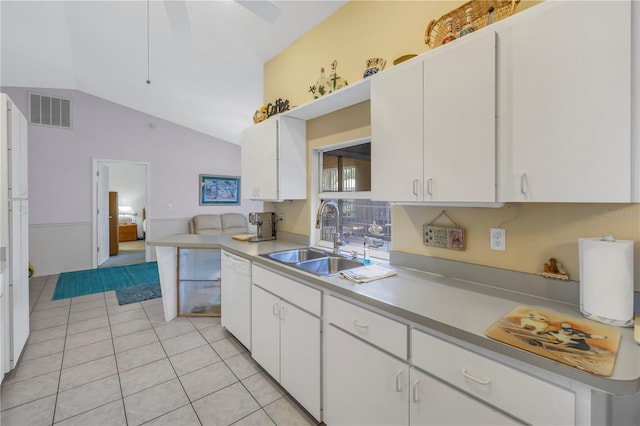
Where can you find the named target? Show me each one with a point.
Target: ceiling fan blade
(263, 8)
(178, 19)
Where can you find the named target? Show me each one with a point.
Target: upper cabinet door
(571, 104)
(274, 164)
(260, 160)
(396, 133)
(459, 120)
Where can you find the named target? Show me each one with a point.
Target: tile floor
(90, 361)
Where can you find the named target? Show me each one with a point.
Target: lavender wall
(60, 167)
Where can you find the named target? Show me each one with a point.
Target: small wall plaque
(449, 237)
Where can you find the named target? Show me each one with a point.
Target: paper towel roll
(606, 280)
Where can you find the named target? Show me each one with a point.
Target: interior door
(103, 213)
(114, 237)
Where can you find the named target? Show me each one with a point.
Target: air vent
(49, 111)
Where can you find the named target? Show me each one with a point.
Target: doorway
(125, 186)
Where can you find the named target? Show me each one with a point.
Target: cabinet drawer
(525, 397)
(381, 331)
(292, 291)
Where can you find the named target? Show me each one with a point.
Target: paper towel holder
(606, 280)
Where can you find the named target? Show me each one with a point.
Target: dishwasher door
(236, 297)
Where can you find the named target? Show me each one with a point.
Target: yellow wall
(388, 29)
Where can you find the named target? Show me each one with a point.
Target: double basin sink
(314, 261)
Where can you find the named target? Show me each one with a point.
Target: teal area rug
(138, 293)
(79, 283)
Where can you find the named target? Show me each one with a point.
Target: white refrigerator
(14, 214)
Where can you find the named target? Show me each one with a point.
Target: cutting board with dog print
(580, 343)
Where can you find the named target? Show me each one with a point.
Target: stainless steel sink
(296, 255)
(328, 265)
(314, 261)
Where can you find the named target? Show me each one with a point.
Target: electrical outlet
(282, 217)
(498, 238)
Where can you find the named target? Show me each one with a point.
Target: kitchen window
(343, 174)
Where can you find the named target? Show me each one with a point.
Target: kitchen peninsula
(446, 312)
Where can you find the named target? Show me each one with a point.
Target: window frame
(317, 195)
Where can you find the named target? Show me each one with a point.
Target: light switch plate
(498, 239)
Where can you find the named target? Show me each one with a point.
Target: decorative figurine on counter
(449, 37)
(468, 28)
(374, 65)
(326, 85)
(260, 114)
(270, 109)
(277, 107)
(554, 270)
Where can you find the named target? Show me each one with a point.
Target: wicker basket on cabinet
(437, 29)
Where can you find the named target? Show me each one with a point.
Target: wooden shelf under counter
(128, 232)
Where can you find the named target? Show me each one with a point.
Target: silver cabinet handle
(360, 324)
(275, 309)
(466, 374)
(430, 186)
(398, 381)
(523, 183)
(416, 396)
(281, 313)
(415, 187)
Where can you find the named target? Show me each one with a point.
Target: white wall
(60, 167)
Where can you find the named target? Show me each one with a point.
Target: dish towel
(364, 274)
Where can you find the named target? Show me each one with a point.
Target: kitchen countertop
(458, 309)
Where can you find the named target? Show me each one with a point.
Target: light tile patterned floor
(90, 361)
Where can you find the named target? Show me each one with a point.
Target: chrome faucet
(337, 242)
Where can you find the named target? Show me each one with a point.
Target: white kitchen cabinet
(493, 382)
(265, 329)
(18, 150)
(397, 133)
(363, 385)
(433, 126)
(285, 341)
(571, 103)
(235, 276)
(459, 121)
(4, 332)
(436, 403)
(274, 163)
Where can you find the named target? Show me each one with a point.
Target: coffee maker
(265, 226)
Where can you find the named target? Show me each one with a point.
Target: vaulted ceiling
(204, 58)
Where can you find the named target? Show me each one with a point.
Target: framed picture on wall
(219, 190)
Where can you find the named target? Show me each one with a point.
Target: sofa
(218, 224)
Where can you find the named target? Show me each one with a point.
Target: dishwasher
(236, 297)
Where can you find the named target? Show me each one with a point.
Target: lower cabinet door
(436, 403)
(265, 334)
(363, 385)
(300, 356)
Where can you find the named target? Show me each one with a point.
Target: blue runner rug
(79, 283)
